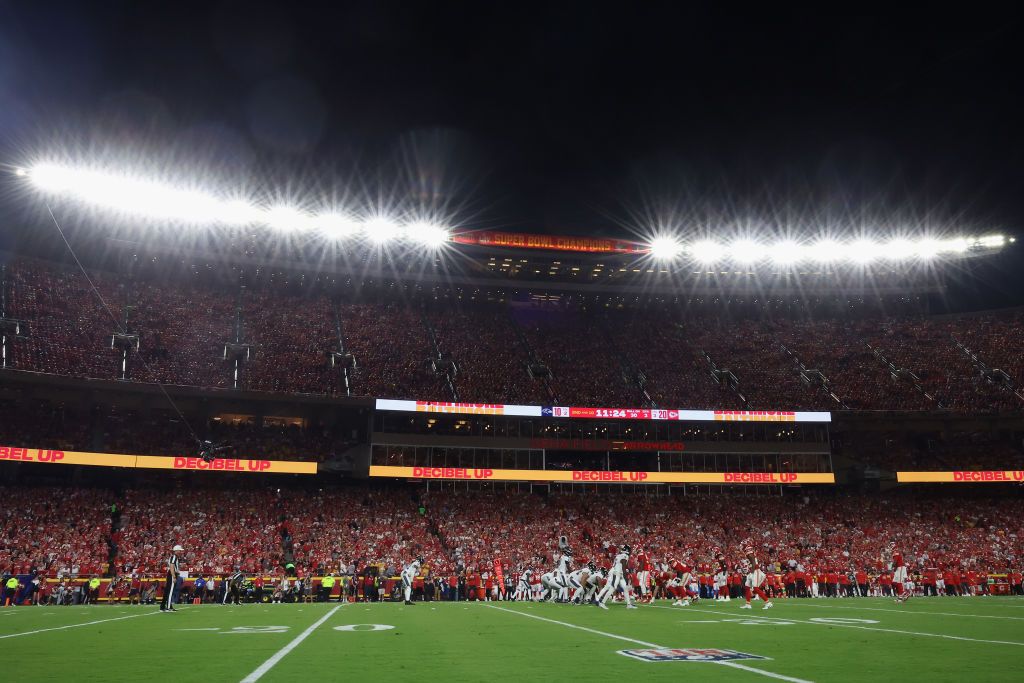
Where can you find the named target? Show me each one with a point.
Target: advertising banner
(162, 462)
(602, 476)
(961, 477)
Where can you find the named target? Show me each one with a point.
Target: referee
(173, 569)
(232, 588)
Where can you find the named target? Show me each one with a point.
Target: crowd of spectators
(676, 373)
(392, 351)
(585, 368)
(824, 531)
(384, 527)
(403, 349)
(54, 530)
(60, 531)
(291, 337)
(223, 529)
(491, 361)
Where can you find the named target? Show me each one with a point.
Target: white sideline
(87, 623)
(901, 611)
(856, 626)
(733, 665)
(280, 654)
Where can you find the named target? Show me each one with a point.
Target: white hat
(177, 548)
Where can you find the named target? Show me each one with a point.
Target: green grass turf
(477, 642)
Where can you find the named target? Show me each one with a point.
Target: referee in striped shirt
(233, 588)
(173, 569)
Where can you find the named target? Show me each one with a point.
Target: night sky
(565, 118)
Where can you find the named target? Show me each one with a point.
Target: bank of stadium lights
(141, 197)
(748, 252)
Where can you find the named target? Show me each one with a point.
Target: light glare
(786, 253)
(665, 248)
(706, 252)
(335, 226)
(287, 219)
(381, 230)
(428, 234)
(745, 251)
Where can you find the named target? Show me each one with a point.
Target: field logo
(688, 654)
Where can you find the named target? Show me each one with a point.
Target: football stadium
(386, 415)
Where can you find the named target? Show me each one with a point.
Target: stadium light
(745, 252)
(125, 194)
(381, 229)
(335, 226)
(899, 249)
(428, 234)
(129, 194)
(786, 252)
(825, 251)
(288, 219)
(707, 252)
(665, 248)
(992, 241)
(927, 248)
(238, 212)
(863, 252)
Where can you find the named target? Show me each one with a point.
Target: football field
(934, 639)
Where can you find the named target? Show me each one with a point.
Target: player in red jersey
(680, 585)
(894, 559)
(755, 580)
(643, 574)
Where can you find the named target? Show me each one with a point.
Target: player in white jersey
(595, 580)
(617, 580)
(523, 587)
(551, 587)
(562, 574)
(578, 582)
(409, 574)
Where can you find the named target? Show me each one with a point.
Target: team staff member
(11, 591)
(173, 570)
(326, 587)
(93, 596)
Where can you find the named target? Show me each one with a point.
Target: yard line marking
(280, 654)
(865, 628)
(215, 628)
(734, 665)
(888, 609)
(88, 623)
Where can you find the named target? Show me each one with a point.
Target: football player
(643, 574)
(578, 581)
(617, 580)
(523, 587)
(409, 574)
(721, 577)
(893, 558)
(754, 581)
(551, 587)
(562, 573)
(680, 586)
